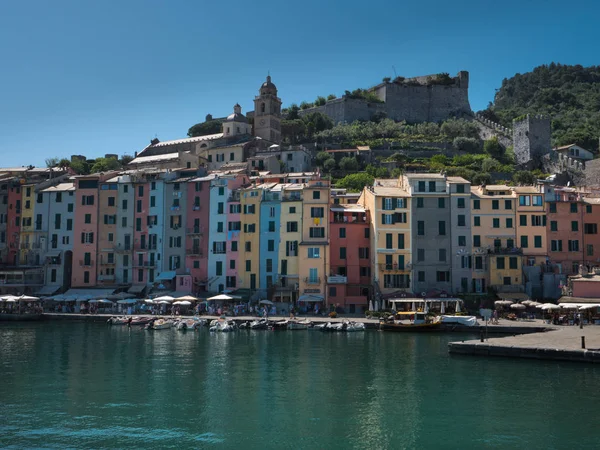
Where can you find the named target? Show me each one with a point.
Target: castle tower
(531, 138)
(267, 113)
(236, 123)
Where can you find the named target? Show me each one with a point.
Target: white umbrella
(458, 306)
(533, 304)
(9, 300)
(568, 305)
(371, 305)
(219, 297)
(443, 308)
(100, 301)
(503, 302)
(163, 302)
(183, 303)
(129, 301)
(149, 301)
(266, 302)
(584, 307)
(27, 298)
(517, 306)
(187, 298)
(164, 298)
(549, 306)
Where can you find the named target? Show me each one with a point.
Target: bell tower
(267, 113)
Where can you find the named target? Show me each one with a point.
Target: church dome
(268, 86)
(237, 115)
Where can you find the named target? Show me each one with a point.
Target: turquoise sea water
(76, 385)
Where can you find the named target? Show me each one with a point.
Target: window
(316, 232)
(401, 241)
(248, 265)
(462, 241)
(400, 262)
(513, 262)
(460, 203)
(234, 246)
(124, 205)
(496, 223)
(421, 186)
(313, 276)
(479, 263)
(556, 245)
(573, 245)
(342, 252)
(461, 220)
(87, 200)
(363, 252)
(420, 228)
(460, 188)
(271, 226)
(152, 201)
(86, 277)
(221, 189)
(507, 204)
(442, 228)
(553, 225)
(123, 222)
(365, 271)
(442, 254)
(140, 191)
(314, 252)
(421, 276)
(420, 202)
(420, 254)
(292, 210)
(388, 241)
(432, 186)
(87, 238)
(537, 241)
(111, 201)
(88, 218)
(589, 250)
(500, 262)
(292, 227)
(58, 197)
(495, 204)
(248, 246)
(442, 276)
(367, 233)
(220, 208)
(590, 228)
(574, 225)
(476, 221)
(588, 209)
(476, 240)
(342, 233)
(70, 207)
(476, 204)
(219, 227)
(441, 202)
(524, 200)
(537, 200)
(552, 207)
(249, 228)
(524, 242)
(269, 265)
(573, 207)
(497, 243)
(506, 281)
(316, 195)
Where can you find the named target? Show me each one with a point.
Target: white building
(575, 151)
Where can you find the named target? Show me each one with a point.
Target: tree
(465, 144)
(382, 172)
(64, 163)
(316, 122)
(493, 148)
(125, 159)
(206, 128)
(386, 79)
(52, 162)
(348, 164)
(397, 172)
(481, 179)
(305, 105)
(329, 165)
(320, 101)
(490, 165)
(105, 165)
(293, 131)
(524, 177)
(292, 112)
(321, 158)
(331, 97)
(454, 128)
(80, 166)
(355, 182)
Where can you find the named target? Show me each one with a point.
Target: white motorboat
(161, 324)
(223, 326)
(299, 324)
(337, 326)
(318, 327)
(187, 324)
(118, 321)
(261, 324)
(354, 326)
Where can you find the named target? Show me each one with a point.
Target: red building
(349, 282)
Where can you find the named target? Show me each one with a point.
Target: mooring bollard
(481, 335)
(582, 341)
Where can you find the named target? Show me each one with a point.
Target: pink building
(349, 283)
(141, 263)
(85, 230)
(564, 229)
(196, 237)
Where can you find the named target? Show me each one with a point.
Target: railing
(309, 280)
(106, 277)
(392, 267)
(292, 198)
(505, 251)
(196, 208)
(195, 230)
(53, 261)
(83, 263)
(349, 220)
(108, 263)
(122, 248)
(194, 251)
(234, 197)
(337, 279)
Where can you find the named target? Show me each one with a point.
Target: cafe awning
(166, 276)
(311, 298)
(579, 300)
(47, 291)
(136, 289)
(88, 293)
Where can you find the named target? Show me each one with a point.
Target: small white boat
(354, 326)
(318, 327)
(222, 326)
(187, 324)
(299, 324)
(280, 325)
(261, 324)
(118, 321)
(338, 326)
(162, 324)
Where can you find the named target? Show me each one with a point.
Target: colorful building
(270, 212)
(249, 270)
(217, 235)
(196, 235)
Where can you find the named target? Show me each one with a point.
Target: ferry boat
(411, 321)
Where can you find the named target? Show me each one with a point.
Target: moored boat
(161, 324)
(280, 325)
(118, 321)
(411, 321)
(261, 324)
(351, 326)
(299, 324)
(223, 326)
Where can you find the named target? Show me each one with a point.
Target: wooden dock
(561, 343)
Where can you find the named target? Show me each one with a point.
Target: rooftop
(460, 180)
(155, 158)
(414, 176)
(62, 187)
(208, 137)
(526, 190)
(348, 208)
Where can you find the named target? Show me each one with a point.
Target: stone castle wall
(410, 102)
(489, 129)
(531, 139)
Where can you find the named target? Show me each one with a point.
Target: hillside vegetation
(570, 95)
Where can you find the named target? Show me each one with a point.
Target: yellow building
(249, 259)
(390, 234)
(493, 230)
(27, 235)
(531, 224)
(314, 245)
(290, 232)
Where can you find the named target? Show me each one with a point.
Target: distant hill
(570, 95)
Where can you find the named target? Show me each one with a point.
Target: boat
(462, 321)
(261, 324)
(141, 320)
(187, 324)
(280, 325)
(161, 324)
(118, 321)
(223, 326)
(411, 321)
(354, 326)
(299, 324)
(318, 327)
(336, 326)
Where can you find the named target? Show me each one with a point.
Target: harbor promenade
(561, 343)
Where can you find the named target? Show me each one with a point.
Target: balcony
(309, 280)
(194, 251)
(196, 208)
(505, 251)
(292, 198)
(234, 197)
(120, 248)
(194, 230)
(337, 279)
(106, 277)
(144, 264)
(83, 263)
(349, 219)
(392, 268)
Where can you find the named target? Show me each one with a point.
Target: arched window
(262, 107)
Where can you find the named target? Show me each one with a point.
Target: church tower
(267, 113)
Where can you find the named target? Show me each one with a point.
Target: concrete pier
(562, 343)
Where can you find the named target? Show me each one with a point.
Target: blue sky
(91, 78)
